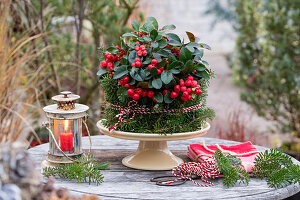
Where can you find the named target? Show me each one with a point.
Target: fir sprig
(84, 169)
(230, 167)
(277, 167)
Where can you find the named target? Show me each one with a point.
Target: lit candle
(66, 138)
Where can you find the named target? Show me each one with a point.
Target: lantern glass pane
(68, 135)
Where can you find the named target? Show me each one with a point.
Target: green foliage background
(266, 60)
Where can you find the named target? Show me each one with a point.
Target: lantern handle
(45, 124)
(87, 129)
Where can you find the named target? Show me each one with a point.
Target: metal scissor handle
(161, 180)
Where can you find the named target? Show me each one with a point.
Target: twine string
(133, 109)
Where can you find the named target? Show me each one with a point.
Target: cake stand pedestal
(153, 152)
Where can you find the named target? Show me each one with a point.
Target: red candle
(66, 141)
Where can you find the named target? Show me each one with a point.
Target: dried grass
(17, 92)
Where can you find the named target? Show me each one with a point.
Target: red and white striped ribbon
(206, 169)
(125, 111)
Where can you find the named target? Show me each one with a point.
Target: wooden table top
(121, 182)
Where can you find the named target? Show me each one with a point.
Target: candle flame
(66, 125)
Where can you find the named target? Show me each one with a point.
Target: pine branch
(84, 169)
(277, 167)
(231, 168)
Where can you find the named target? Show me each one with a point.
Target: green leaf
(166, 77)
(175, 43)
(120, 71)
(112, 50)
(205, 46)
(191, 36)
(138, 75)
(157, 83)
(175, 71)
(200, 68)
(169, 27)
(101, 72)
(175, 64)
(135, 25)
(188, 67)
(171, 58)
(153, 34)
(173, 36)
(153, 21)
(204, 74)
(154, 44)
(185, 55)
(123, 61)
(162, 43)
(129, 35)
(147, 39)
(153, 71)
(163, 52)
(198, 52)
(158, 97)
(147, 27)
(132, 55)
(147, 61)
(157, 57)
(167, 98)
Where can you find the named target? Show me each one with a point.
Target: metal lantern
(65, 121)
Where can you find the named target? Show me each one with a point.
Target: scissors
(162, 180)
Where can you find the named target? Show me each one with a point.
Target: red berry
(118, 58)
(144, 53)
(144, 93)
(136, 43)
(127, 85)
(184, 98)
(137, 59)
(168, 46)
(173, 95)
(190, 78)
(194, 84)
(165, 92)
(190, 97)
(139, 53)
(158, 72)
(130, 92)
(136, 48)
(114, 58)
(188, 83)
(110, 65)
(150, 94)
(133, 65)
(199, 92)
(154, 100)
(136, 96)
(189, 90)
(106, 55)
(198, 86)
(182, 82)
(138, 64)
(122, 82)
(154, 61)
(183, 89)
(185, 94)
(177, 88)
(109, 57)
(142, 47)
(103, 63)
(161, 69)
(150, 67)
(167, 62)
(139, 90)
(126, 79)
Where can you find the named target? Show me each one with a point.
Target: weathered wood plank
(125, 183)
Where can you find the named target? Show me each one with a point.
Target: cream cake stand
(153, 152)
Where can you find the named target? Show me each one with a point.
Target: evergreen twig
(84, 169)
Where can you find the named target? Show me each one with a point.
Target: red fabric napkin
(247, 160)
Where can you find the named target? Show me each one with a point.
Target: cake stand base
(152, 155)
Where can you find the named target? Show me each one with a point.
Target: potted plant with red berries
(155, 87)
